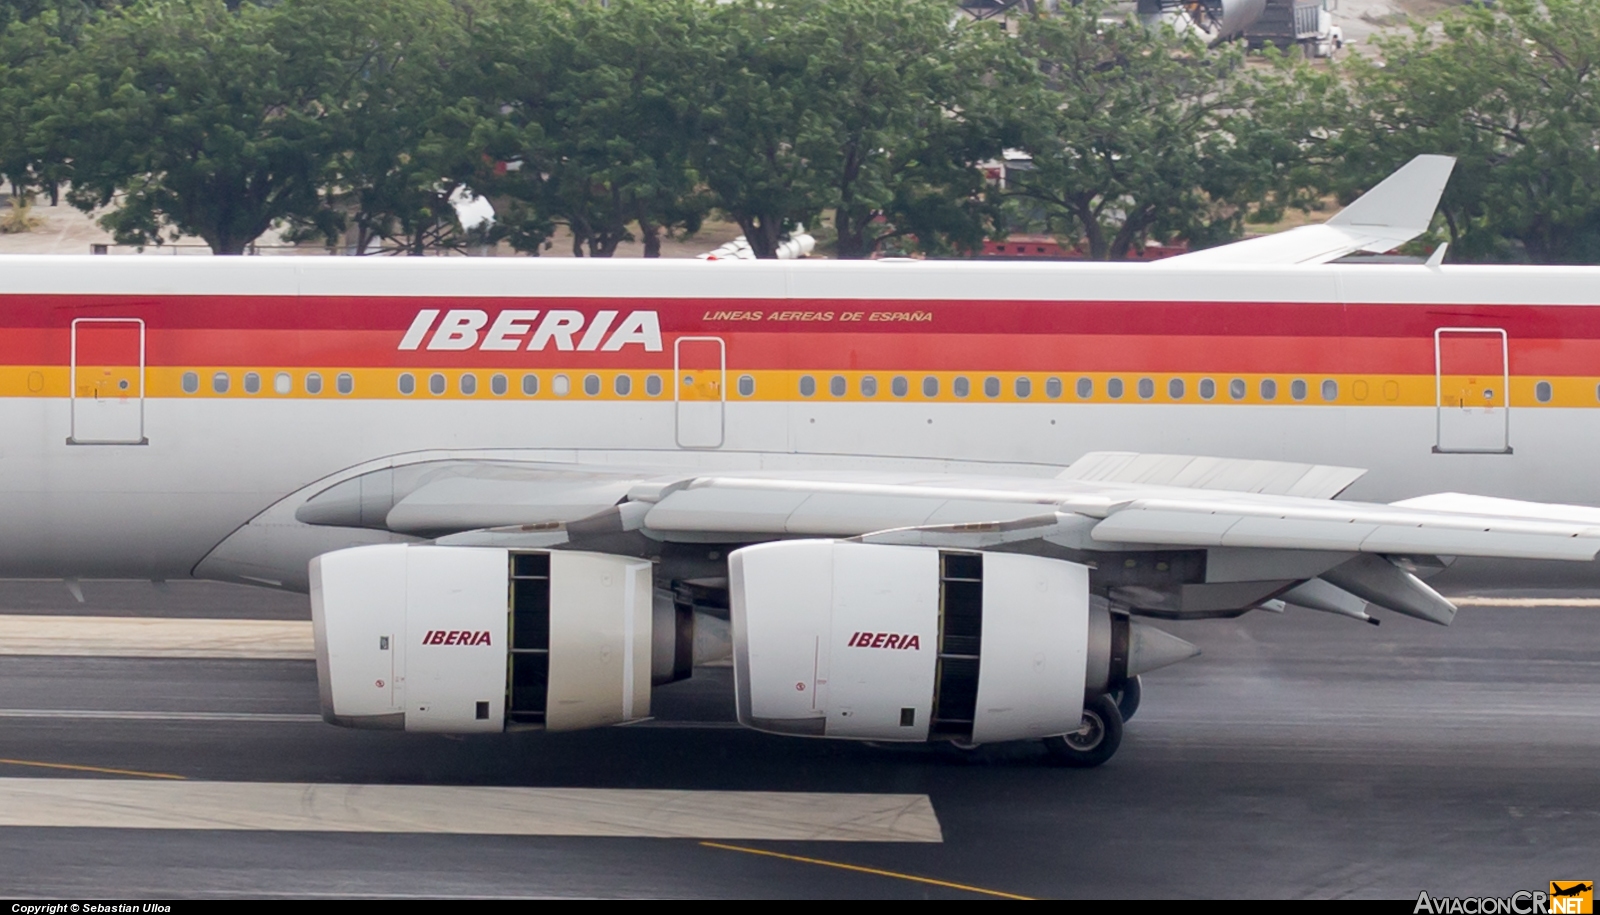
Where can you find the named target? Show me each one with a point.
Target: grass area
(19, 218)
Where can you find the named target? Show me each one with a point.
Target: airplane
(911, 501)
(1577, 889)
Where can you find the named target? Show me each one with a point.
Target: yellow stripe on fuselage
(786, 386)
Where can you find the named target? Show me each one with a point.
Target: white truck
(1308, 24)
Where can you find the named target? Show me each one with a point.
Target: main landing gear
(1096, 740)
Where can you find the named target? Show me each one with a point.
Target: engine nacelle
(879, 642)
(468, 639)
(876, 642)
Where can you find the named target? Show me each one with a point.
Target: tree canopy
(876, 124)
(1512, 93)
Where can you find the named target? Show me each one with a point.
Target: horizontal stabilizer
(1399, 209)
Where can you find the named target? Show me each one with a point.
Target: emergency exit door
(700, 388)
(1472, 380)
(107, 369)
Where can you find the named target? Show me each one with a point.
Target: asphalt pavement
(1301, 756)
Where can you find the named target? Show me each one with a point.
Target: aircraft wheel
(1127, 697)
(1094, 742)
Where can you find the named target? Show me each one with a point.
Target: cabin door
(107, 382)
(1472, 381)
(700, 386)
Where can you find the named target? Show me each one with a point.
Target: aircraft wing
(1397, 210)
(1170, 535)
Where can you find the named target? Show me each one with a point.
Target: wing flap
(1342, 526)
(1281, 478)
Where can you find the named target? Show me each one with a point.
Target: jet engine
(904, 643)
(459, 639)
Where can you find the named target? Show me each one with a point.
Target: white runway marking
(147, 637)
(116, 715)
(270, 806)
(1526, 601)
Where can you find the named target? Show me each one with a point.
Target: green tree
(1511, 93)
(31, 62)
(771, 151)
(1142, 133)
(401, 135)
(914, 103)
(591, 118)
(199, 120)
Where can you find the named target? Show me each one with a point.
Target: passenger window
(1297, 389)
(408, 383)
(1237, 389)
(1208, 389)
(961, 387)
(652, 385)
(623, 385)
(1541, 392)
(313, 383)
(345, 383)
(1147, 388)
(191, 382)
(436, 384)
(219, 382)
(1330, 389)
(991, 387)
(1175, 389)
(899, 387)
(869, 386)
(808, 386)
(1114, 388)
(1085, 388)
(836, 386)
(281, 384)
(561, 386)
(591, 385)
(747, 386)
(252, 383)
(1269, 389)
(497, 384)
(530, 385)
(1052, 388)
(1024, 388)
(930, 387)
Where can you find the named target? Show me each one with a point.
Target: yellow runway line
(877, 872)
(101, 769)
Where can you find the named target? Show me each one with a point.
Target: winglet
(1391, 214)
(1402, 202)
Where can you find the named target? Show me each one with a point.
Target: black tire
(1095, 743)
(1127, 697)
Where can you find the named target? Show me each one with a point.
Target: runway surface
(1300, 756)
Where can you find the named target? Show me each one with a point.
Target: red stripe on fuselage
(975, 336)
